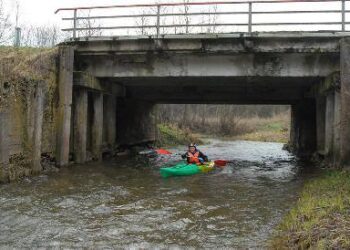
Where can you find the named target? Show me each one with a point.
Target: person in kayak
(194, 156)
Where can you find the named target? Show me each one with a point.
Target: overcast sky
(41, 12)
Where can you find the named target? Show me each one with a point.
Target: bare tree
(142, 22)
(41, 36)
(5, 24)
(91, 26)
(187, 18)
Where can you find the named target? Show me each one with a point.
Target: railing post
(343, 7)
(158, 20)
(75, 24)
(250, 18)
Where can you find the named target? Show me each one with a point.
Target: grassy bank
(172, 135)
(274, 129)
(321, 218)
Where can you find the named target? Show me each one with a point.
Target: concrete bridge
(109, 86)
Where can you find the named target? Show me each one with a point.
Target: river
(126, 204)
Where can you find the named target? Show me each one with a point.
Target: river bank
(321, 217)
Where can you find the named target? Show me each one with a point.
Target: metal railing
(158, 15)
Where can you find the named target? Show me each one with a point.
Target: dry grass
(274, 129)
(172, 135)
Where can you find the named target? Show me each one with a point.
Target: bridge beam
(65, 93)
(80, 124)
(345, 101)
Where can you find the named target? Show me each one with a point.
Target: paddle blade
(163, 152)
(220, 163)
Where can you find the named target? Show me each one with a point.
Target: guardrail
(159, 19)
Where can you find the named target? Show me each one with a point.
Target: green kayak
(184, 169)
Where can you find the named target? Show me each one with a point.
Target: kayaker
(194, 156)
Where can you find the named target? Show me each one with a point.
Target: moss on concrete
(22, 70)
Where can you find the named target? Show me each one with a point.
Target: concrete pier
(65, 84)
(303, 131)
(329, 124)
(97, 125)
(80, 124)
(136, 121)
(345, 101)
(38, 128)
(321, 124)
(110, 121)
(4, 147)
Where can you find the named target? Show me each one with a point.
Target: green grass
(274, 129)
(171, 135)
(321, 218)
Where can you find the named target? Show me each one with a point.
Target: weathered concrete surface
(321, 124)
(136, 121)
(86, 80)
(337, 129)
(212, 65)
(80, 124)
(329, 126)
(262, 42)
(345, 102)
(4, 147)
(65, 102)
(38, 128)
(97, 125)
(110, 121)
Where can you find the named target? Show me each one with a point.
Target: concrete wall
(303, 128)
(136, 121)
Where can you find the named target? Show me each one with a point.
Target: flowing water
(126, 204)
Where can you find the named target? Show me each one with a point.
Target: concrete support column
(97, 125)
(4, 147)
(329, 126)
(38, 126)
(345, 101)
(304, 128)
(80, 124)
(111, 119)
(136, 121)
(321, 124)
(65, 102)
(294, 129)
(337, 129)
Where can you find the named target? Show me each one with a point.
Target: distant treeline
(218, 119)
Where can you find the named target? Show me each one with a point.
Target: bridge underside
(118, 82)
(218, 90)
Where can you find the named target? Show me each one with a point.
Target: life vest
(193, 158)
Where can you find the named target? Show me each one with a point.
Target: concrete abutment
(4, 147)
(345, 102)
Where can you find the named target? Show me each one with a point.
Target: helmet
(192, 145)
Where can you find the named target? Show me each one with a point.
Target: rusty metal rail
(155, 17)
